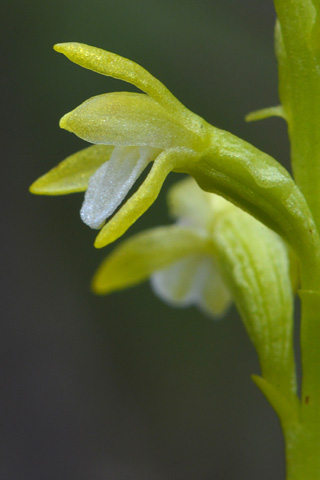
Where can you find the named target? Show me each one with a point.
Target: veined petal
(188, 203)
(109, 185)
(255, 265)
(135, 259)
(194, 280)
(72, 175)
(195, 207)
(124, 118)
(144, 197)
(110, 64)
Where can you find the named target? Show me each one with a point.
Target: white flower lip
(111, 182)
(194, 280)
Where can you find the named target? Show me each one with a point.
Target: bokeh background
(122, 387)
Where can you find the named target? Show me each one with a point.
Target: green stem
(302, 451)
(298, 53)
(310, 348)
(297, 47)
(302, 437)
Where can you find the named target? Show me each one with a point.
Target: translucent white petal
(192, 281)
(109, 185)
(194, 207)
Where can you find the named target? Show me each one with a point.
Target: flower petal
(124, 118)
(194, 207)
(144, 197)
(189, 204)
(192, 281)
(255, 265)
(110, 64)
(135, 259)
(72, 175)
(109, 185)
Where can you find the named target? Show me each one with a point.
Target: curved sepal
(135, 259)
(112, 65)
(255, 264)
(72, 174)
(125, 118)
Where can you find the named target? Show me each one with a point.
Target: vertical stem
(298, 53)
(310, 347)
(297, 48)
(302, 452)
(302, 437)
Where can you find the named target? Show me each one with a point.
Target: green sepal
(110, 64)
(126, 118)
(256, 268)
(72, 174)
(135, 259)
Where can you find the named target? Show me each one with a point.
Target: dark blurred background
(122, 387)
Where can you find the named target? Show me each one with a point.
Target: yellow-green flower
(129, 131)
(213, 252)
(179, 259)
(132, 130)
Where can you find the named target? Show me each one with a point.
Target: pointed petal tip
(109, 233)
(34, 188)
(62, 47)
(38, 188)
(58, 47)
(63, 123)
(102, 241)
(97, 288)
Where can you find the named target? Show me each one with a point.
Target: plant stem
(302, 452)
(297, 48)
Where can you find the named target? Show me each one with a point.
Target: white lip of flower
(193, 279)
(178, 259)
(111, 182)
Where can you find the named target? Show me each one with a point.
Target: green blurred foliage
(122, 387)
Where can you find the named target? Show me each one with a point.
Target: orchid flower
(129, 131)
(178, 259)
